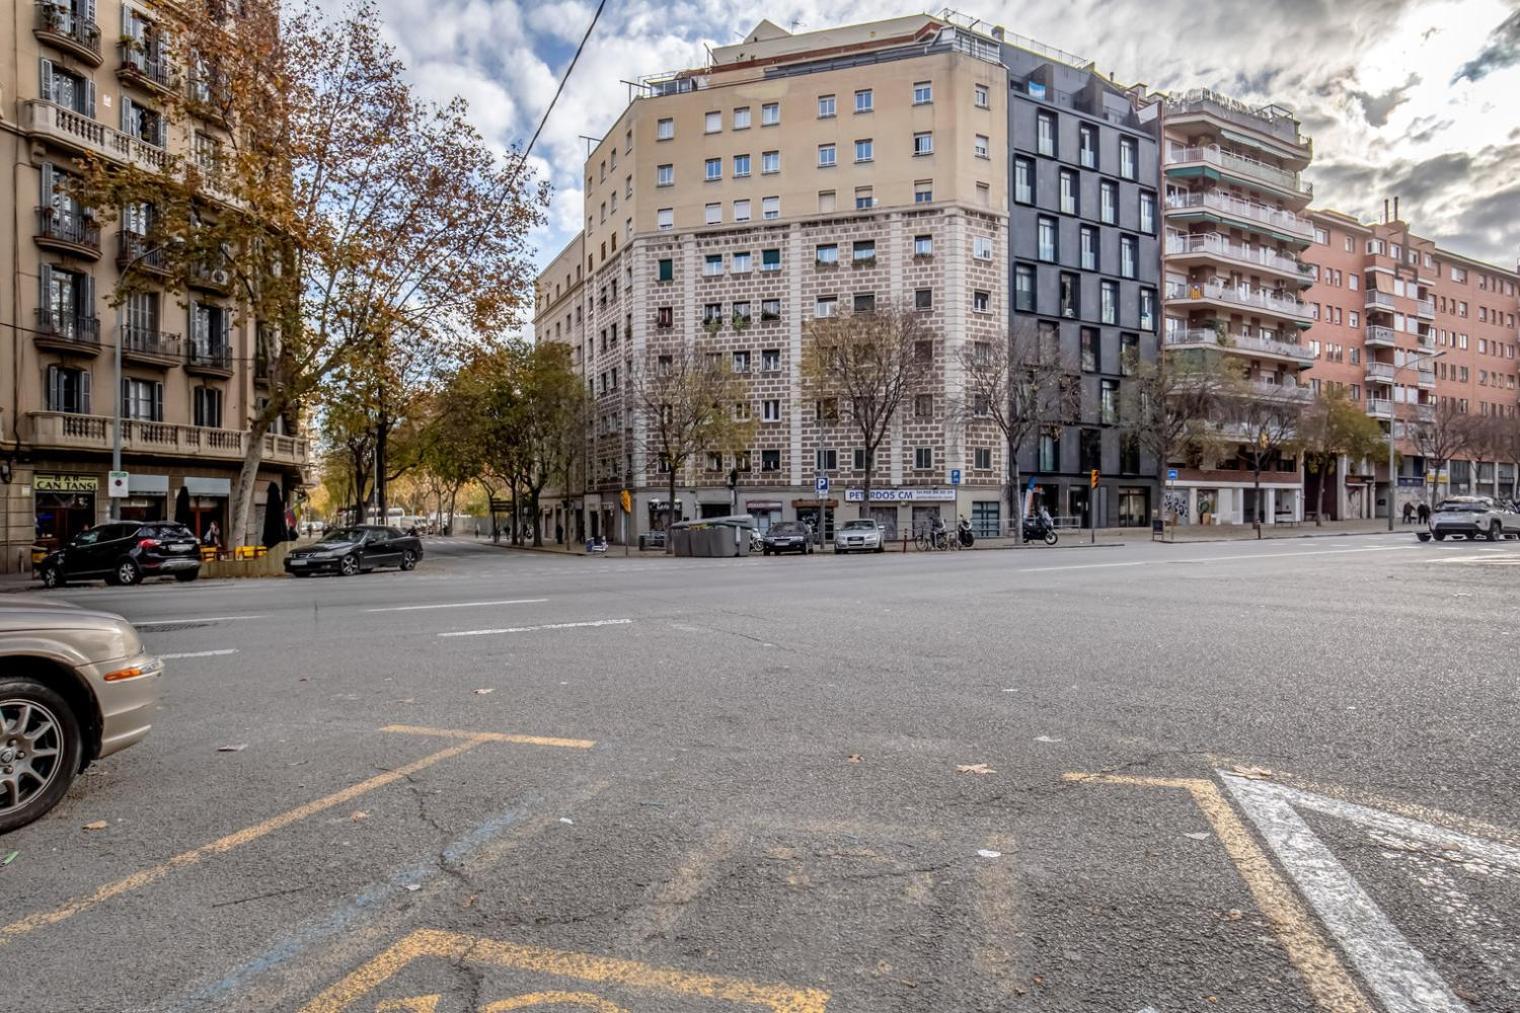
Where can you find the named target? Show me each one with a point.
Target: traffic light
(1095, 478)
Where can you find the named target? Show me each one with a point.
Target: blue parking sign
(955, 476)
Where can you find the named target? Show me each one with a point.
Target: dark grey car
(786, 536)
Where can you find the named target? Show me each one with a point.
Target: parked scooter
(1039, 529)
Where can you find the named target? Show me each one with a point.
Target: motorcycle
(1038, 529)
(965, 537)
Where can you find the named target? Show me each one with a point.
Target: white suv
(1473, 516)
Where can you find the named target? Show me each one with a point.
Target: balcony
(1242, 211)
(1380, 337)
(69, 129)
(146, 67)
(1381, 372)
(1425, 378)
(67, 332)
(1242, 343)
(1380, 408)
(1425, 308)
(68, 231)
(150, 348)
(68, 31)
(161, 439)
(1273, 121)
(1376, 300)
(1240, 167)
(1212, 245)
(1259, 299)
(1283, 391)
(133, 253)
(208, 359)
(211, 278)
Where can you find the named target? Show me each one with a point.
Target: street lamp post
(1393, 479)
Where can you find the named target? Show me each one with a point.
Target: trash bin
(713, 537)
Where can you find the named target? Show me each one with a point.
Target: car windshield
(786, 529)
(344, 535)
(860, 526)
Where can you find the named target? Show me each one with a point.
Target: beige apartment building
(1235, 233)
(89, 76)
(795, 177)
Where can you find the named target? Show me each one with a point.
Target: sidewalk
(1243, 532)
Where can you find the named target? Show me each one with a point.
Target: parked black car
(357, 549)
(125, 552)
(787, 536)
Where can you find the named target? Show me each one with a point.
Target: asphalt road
(513, 780)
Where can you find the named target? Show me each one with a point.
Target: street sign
(1171, 474)
(1094, 478)
(955, 476)
(116, 484)
(821, 485)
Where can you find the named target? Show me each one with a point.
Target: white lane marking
(1087, 566)
(459, 605)
(193, 619)
(199, 654)
(534, 629)
(1284, 555)
(1402, 978)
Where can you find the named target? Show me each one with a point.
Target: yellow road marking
(222, 845)
(456, 947)
(521, 740)
(585, 999)
(1327, 978)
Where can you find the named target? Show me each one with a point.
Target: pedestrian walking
(1408, 512)
(1424, 513)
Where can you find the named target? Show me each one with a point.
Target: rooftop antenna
(591, 142)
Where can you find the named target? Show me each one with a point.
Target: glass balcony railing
(1240, 166)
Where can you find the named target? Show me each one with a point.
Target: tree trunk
(670, 514)
(865, 491)
(382, 433)
(1016, 494)
(248, 480)
(538, 520)
(1256, 496)
(1319, 511)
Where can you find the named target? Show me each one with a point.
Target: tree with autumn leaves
(349, 219)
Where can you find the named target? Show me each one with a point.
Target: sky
(1414, 98)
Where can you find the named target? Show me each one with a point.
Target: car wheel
(40, 747)
(51, 576)
(186, 576)
(349, 567)
(126, 573)
(881, 548)
(1440, 536)
(408, 560)
(1494, 531)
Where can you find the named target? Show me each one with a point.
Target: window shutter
(89, 99)
(125, 406)
(45, 287)
(84, 392)
(126, 116)
(54, 395)
(226, 336)
(129, 23)
(200, 406)
(47, 174)
(86, 305)
(45, 79)
(158, 401)
(89, 10)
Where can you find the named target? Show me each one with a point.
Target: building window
(1068, 191)
(1090, 349)
(665, 218)
(770, 309)
(68, 390)
(741, 211)
(923, 407)
(1045, 133)
(825, 106)
(1089, 449)
(923, 298)
(1108, 302)
(864, 198)
(982, 458)
(770, 161)
(1129, 256)
(983, 195)
(741, 166)
(863, 251)
(980, 97)
(770, 207)
(770, 460)
(864, 101)
(923, 143)
(981, 247)
(770, 410)
(770, 358)
(1023, 288)
(826, 253)
(825, 459)
(714, 169)
(923, 458)
(1023, 180)
(981, 302)
(712, 214)
(1087, 242)
(1108, 394)
(1129, 354)
(980, 146)
(1050, 450)
(826, 202)
(1129, 455)
(770, 114)
(142, 399)
(923, 92)
(1087, 145)
(923, 191)
(741, 262)
(1129, 157)
(923, 246)
(1148, 310)
(208, 407)
(713, 122)
(1148, 213)
(825, 306)
(1071, 296)
(712, 314)
(1048, 248)
(665, 129)
(827, 156)
(770, 260)
(712, 264)
(1108, 201)
(864, 150)
(741, 118)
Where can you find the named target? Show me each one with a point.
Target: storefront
(208, 500)
(765, 512)
(65, 506)
(147, 498)
(924, 505)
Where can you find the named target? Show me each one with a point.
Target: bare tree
(1440, 433)
(871, 363)
(1019, 385)
(684, 400)
(1498, 437)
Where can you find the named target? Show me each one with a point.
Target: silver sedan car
(859, 536)
(75, 686)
